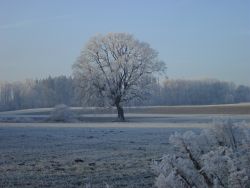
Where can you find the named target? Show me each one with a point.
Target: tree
(115, 68)
(242, 94)
(218, 157)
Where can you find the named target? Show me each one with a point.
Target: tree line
(198, 92)
(51, 91)
(37, 93)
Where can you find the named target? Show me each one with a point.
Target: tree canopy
(115, 68)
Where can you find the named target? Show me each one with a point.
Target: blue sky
(196, 38)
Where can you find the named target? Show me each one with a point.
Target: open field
(73, 154)
(48, 156)
(241, 108)
(94, 150)
(89, 114)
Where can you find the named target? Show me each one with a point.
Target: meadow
(95, 149)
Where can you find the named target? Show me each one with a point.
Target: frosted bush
(62, 113)
(218, 157)
(105, 185)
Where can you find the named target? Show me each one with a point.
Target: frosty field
(98, 150)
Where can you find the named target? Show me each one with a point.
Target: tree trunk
(120, 113)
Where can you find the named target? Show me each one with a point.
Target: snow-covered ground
(12, 117)
(73, 154)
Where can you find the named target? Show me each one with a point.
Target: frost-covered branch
(217, 157)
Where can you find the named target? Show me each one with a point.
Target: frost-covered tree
(116, 68)
(218, 157)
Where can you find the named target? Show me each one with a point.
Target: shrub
(62, 113)
(105, 185)
(216, 157)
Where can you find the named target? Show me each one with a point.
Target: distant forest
(63, 90)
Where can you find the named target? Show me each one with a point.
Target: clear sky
(196, 38)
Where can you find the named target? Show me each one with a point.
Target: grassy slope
(243, 108)
(203, 109)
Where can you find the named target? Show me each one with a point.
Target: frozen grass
(75, 154)
(72, 157)
(130, 118)
(96, 151)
